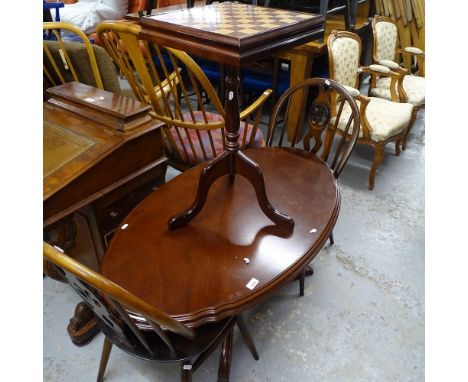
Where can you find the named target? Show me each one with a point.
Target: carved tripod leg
(251, 170)
(225, 358)
(83, 325)
(232, 161)
(212, 171)
(378, 156)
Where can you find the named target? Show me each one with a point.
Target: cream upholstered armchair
(410, 88)
(382, 121)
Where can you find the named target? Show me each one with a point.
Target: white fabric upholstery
(352, 91)
(87, 14)
(386, 118)
(345, 52)
(414, 88)
(387, 35)
(389, 64)
(379, 68)
(413, 50)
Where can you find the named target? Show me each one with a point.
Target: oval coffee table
(231, 256)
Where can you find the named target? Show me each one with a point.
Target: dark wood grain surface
(198, 273)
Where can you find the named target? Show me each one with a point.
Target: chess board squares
(248, 31)
(225, 31)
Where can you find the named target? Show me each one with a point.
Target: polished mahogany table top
(198, 273)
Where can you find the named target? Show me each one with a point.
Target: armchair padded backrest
(344, 52)
(386, 35)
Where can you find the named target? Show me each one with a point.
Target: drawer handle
(114, 215)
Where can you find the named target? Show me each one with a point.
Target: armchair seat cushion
(217, 135)
(385, 118)
(413, 85)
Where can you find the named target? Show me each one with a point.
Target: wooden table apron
(197, 273)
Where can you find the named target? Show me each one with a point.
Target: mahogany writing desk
(233, 34)
(197, 273)
(102, 154)
(99, 147)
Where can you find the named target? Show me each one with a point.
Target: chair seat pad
(413, 85)
(217, 136)
(385, 118)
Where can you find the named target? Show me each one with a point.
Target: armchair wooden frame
(399, 95)
(169, 82)
(141, 329)
(56, 75)
(366, 128)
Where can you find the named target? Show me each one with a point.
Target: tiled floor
(362, 316)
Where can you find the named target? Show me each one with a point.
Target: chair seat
(413, 85)
(216, 134)
(185, 348)
(386, 118)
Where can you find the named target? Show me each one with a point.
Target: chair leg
(301, 283)
(413, 119)
(397, 147)
(378, 156)
(225, 358)
(246, 335)
(331, 239)
(186, 372)
(106, 349)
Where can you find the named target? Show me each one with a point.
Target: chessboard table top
(232, 33)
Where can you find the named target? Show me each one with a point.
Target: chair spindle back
(321, 114)
(111, 304)
(58, 66)
(172, 82)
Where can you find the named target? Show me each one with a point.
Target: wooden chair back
(385, 32)
(323, 113)
(58, 64)
(180, 93)
(344, 52)
(112, 305)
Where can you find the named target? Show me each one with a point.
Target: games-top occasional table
(234, 34)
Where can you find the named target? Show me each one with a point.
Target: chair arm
(411, 50)
(389, 64)
(396, 77)
(256, 105)
(353, 92)
(366, 128)
(378, 70)
(166, 86)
